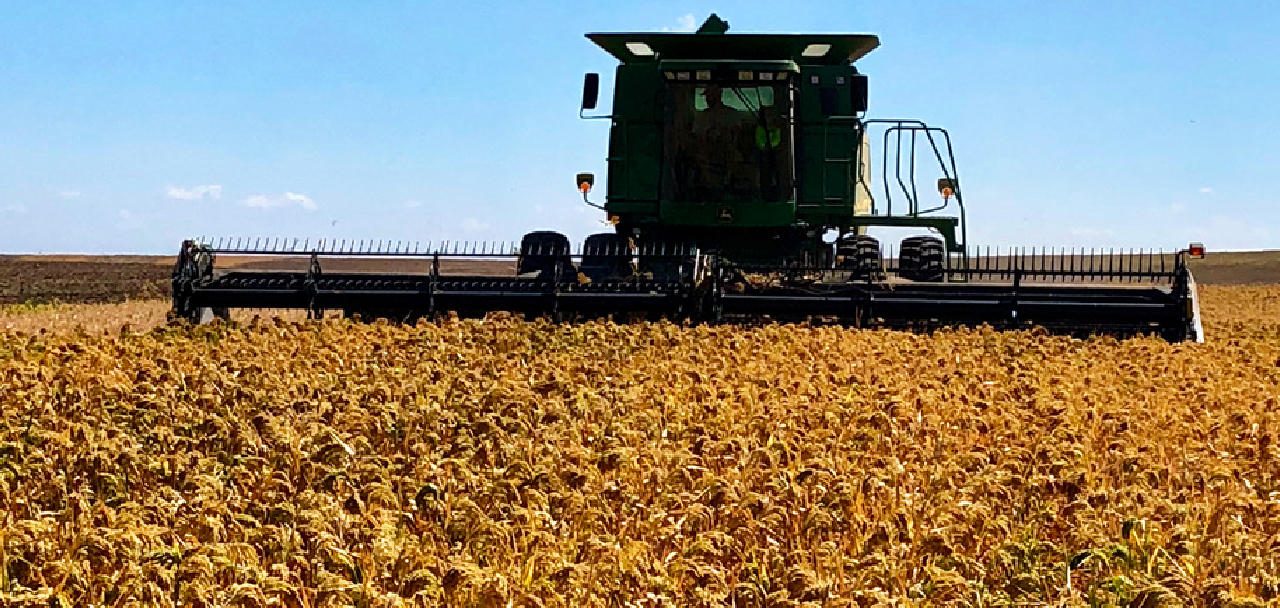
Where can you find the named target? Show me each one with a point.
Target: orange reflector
(584, 187)
(1196, 250)
(946, 193)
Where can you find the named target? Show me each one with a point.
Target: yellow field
(520, 463)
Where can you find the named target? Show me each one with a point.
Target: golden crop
(522, 463)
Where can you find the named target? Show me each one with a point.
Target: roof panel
(845, 48)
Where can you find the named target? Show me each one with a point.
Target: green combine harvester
(741, 185)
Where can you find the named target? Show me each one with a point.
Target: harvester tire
(922, 259)
(607, 256)
(860, 255)
(546, 253)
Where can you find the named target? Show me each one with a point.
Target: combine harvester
(741, 187)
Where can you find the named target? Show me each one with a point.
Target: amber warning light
(585, 181)
(946, 187)
(1196, 250)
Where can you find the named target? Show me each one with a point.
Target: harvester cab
(741, 185)
(756, 147)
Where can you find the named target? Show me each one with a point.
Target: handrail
(947, 165)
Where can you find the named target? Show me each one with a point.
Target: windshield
(727, 144)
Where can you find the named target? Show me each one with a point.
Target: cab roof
(712, 43)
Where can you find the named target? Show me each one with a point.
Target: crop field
(281, 462)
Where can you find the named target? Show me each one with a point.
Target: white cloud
(288, 199)
(212, 191)
(68, 194)
(1206, 190)
(472, 224)
(686, 23)
(16, 208)
(412, 204)
(301, 200)
(126, 220)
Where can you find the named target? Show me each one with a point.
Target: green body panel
(828, 142)
(750, 214)
(635, 142)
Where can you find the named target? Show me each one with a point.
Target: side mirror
(858, 92)
(590, 91)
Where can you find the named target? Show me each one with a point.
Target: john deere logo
(725, 215)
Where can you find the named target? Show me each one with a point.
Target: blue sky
(128, 126)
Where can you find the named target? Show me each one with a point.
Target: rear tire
(922, 259)
(607, 256)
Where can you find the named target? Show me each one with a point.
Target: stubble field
(291, 463)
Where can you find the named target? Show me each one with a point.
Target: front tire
(545, 253)
(860, 255)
